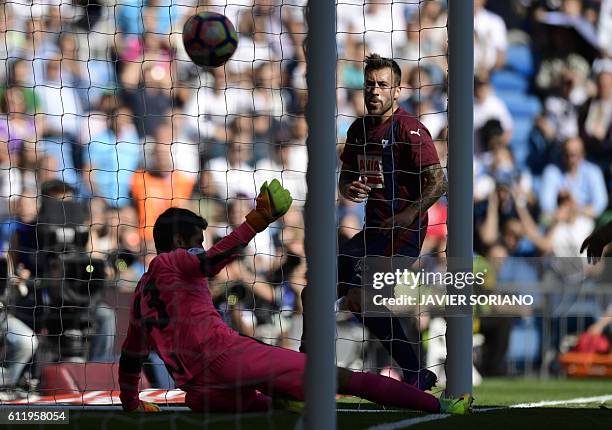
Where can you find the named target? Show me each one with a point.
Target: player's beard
(380, 108)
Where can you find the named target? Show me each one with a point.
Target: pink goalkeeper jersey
(172, 310)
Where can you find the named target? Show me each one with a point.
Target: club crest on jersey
(385, 143)
(196, 251)
(370, 167)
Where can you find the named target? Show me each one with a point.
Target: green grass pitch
(492, 412)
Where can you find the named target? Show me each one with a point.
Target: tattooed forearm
(433, 186)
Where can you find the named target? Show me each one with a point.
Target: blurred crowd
(101, 107)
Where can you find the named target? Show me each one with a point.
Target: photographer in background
(20, 317)
(20, 342)
(70, 273)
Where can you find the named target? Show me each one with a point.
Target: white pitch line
(579, 400)
(409, 422)
(495, 408)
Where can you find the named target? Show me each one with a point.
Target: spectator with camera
(19, 315)
(73, 279)
(20, 341)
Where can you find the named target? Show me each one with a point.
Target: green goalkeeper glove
(272, 203)
(146, 407)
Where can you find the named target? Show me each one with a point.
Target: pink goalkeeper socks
(389, 392)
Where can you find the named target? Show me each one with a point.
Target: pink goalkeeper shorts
(243, 377)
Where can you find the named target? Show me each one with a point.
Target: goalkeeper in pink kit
(220, 370)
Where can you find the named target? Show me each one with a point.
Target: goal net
(105, 123)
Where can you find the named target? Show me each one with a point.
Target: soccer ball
(210, 39)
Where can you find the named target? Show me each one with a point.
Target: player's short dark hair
(376, 62)
(176, 221)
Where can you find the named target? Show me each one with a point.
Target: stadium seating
(520, 59)
(512, 86)
(508, 80)
(519, 141)
(520, 105)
